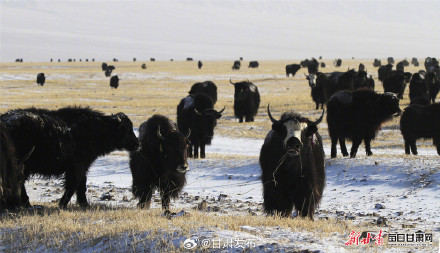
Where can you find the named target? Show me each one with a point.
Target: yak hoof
(84, 205)
(353, 155)
(369, 153)
(345, 154)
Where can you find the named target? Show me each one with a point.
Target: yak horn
(25, 157)
(230, 80)
(159, 134)
(220, 112)
(189, 133)
(197, 112)
(320, 118)
(270, 115)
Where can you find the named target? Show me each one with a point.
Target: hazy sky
(40, 30)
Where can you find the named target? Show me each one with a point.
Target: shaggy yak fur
(420, 122)
(207, 87)
(196, 113)
(161, 163)
(358, 115)
(67, 141)
(246, 100)
(11, 172)
(292, 164)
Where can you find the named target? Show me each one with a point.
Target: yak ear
(311, 130)
(277, 127)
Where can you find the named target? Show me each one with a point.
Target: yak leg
(145, 199)
(202, 151)
(165, 195)
(354, 148)
(81, 192)
(343, 146)
(24, 197)
(436, 142)
(70, 186)
(413, 146)
(368, 147)
(196, 150)
(190, 151)
(317, 106)
(334, 151)
(240, 119)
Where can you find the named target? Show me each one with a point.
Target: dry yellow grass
(141, 94)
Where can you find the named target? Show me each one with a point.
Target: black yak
(246, 100)
(292, 164)
(396, 81)
(337, 62)
(114, 81)
(312, 66)
(189, 59)
(377, 63)
(41, 79)
(11, 172)
(144, 66)
(196, 113)
(67, 141)
(383, 71)
(390, 60)
(253, 64)
(199, 64)
(322, 64)
(357, 115)
(420, 121)
(160, 163)
(324, 85)
(207, 87)
(415, 62)
(152, 59)
(418, 88)
(236, 65)
(291, 69)
(361, 67)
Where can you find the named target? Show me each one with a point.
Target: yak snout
(293, 147)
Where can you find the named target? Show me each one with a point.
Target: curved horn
(305, 74)
(197, 112)
(159, 134)
(230, 80)
(220, 112)
(320, 118)
(189, 133)
(270, 115)
(25, 157)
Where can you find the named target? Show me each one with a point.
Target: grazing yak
(196, 113)
(253, 64)
(390, 60)
(67, 141)
(292, 164)
(357, 115)
(41, 79)
(152, 59)
(160, 163)
(337, 63)
(199, 64)
(424, 85)
(396, 81)
(377, 63)
(291, 69)
(324, 85)
(236, 65)
(383, 71)
(11, 172)
(246, 100)
(207, 87)
(420, 121)
(114, 81)
(415, 62)
(144, 66)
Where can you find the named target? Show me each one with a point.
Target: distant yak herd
(64, 143)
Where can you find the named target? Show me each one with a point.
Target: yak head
(242, 90)
(389, 104)
(125, 137)
(312, 79)
(294, 131)
(208, 119)
(173, 148)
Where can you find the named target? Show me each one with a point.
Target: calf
(292, 165)
(160, 163)
(358, 115)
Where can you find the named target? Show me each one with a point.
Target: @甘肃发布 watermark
(219, 243)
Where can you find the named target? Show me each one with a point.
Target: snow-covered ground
(406, 188)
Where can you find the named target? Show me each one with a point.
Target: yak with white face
(292, 164)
